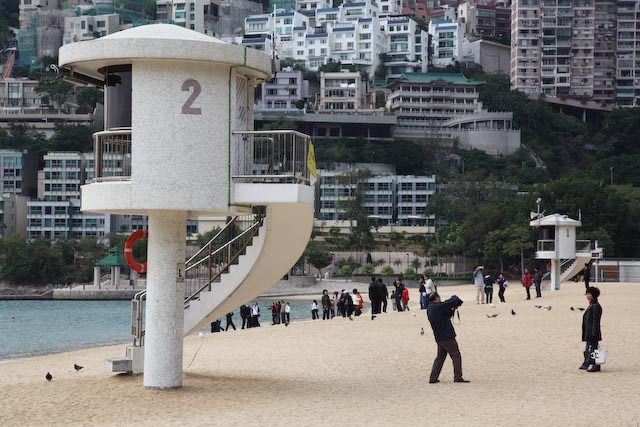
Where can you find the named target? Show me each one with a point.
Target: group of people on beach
(280, 313)
(341, 304)
(484, 282)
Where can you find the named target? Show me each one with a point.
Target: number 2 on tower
(186, 87)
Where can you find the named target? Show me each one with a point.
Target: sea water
(29, 328)
(46, 326)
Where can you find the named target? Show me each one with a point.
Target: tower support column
(165, 300)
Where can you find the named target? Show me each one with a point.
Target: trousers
(449, 347)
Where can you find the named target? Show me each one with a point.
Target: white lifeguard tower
(179, 143)
(558, 244)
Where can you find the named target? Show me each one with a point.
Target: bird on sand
(513, 312)
(77, 367)
(49, 377)
(493, 315)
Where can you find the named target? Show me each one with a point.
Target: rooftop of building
(455, 78)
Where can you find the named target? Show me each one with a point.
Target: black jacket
(373, 291)
(245, 311)
(439, 314)
(591, 323)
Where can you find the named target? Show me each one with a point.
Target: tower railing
(112, 155)
(280, 156)
(275, 156)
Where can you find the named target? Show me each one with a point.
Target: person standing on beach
(274, 313)
(230, 321)
(314, 310)
(375, 296)
(478, 282)
(340, 305)
(502, 284)
(326, 305)
(439, 314)
(287, 312)
(278, 311)
(399, 290)
(591, 331)
(422, 290)
(393, 295)
(255, 314)
(245, 314)
(488, 288)
(283, 312)
(348, 305)
(430, 287)
(537, 281)
(384, 295)
(526, 282)
(586, 274)
(358, 302)
(405, 299)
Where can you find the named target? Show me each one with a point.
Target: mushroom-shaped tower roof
(555, 219)
(161, 42)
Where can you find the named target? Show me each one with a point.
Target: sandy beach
(523, 371)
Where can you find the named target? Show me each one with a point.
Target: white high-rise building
(407, 47)
(89, 27)
(447, 35)
(577, 50)
(56, 214)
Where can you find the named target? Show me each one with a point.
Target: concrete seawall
(120, 294)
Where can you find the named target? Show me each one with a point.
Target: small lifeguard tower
(558, 244)
(179, 143)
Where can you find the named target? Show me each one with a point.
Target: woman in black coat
(591, 332)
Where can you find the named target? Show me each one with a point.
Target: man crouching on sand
(440, 314)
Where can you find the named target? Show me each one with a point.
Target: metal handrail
(546, 245)
(274, 155)
(247, 235)
(137, 308)
(210, 242)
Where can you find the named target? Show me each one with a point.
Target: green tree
(57, 90)
(409, 273)
(87, 99)
(204, 238)
(9, 12)
(318, 255)
(346, 270)
(368, 268)
(387, 271)
(355, 183)
(69, 137)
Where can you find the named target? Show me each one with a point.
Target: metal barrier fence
(112, 154)
(257, 156)
(271, 156)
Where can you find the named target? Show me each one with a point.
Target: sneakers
(433, 381)
(461, 380)
(594, 368)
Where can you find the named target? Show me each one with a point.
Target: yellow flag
(311, 164)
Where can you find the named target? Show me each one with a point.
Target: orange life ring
(128, 251)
